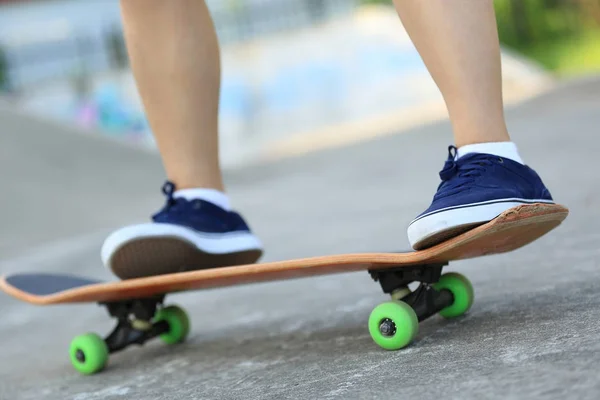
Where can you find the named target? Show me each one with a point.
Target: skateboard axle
(425, 300)
(387, 327)
(134, 326)
(125, 335)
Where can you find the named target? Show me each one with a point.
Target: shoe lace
(458, 173)
(168, 189)
(172, 203)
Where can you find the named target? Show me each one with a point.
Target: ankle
(213, 181)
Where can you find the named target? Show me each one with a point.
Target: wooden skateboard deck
(137, 304)
(513, 229)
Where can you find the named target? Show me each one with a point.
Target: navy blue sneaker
(474, 190)
(185, 235)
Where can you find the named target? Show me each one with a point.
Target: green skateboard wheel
(88, 353)
(179, 324)
(393, 325)
(461, 290)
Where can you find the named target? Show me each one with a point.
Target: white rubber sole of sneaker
(212, 243)
(440, 223)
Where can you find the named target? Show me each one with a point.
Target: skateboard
(138, 305)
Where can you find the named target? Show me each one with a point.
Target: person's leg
(174, 56)
(458, 42)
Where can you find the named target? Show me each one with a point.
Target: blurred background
(299, 75)
(66, 60)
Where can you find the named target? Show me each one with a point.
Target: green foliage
(521, 23)
(568, 55)
(562, 35)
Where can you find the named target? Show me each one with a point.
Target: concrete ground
(533, 331)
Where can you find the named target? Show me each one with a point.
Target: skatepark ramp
(57, 182)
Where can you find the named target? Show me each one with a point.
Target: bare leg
(174, 56)
(458, 41)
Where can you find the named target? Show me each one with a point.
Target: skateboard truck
(138, 321)
(134, 323)
(394, 324)
(425, 300)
